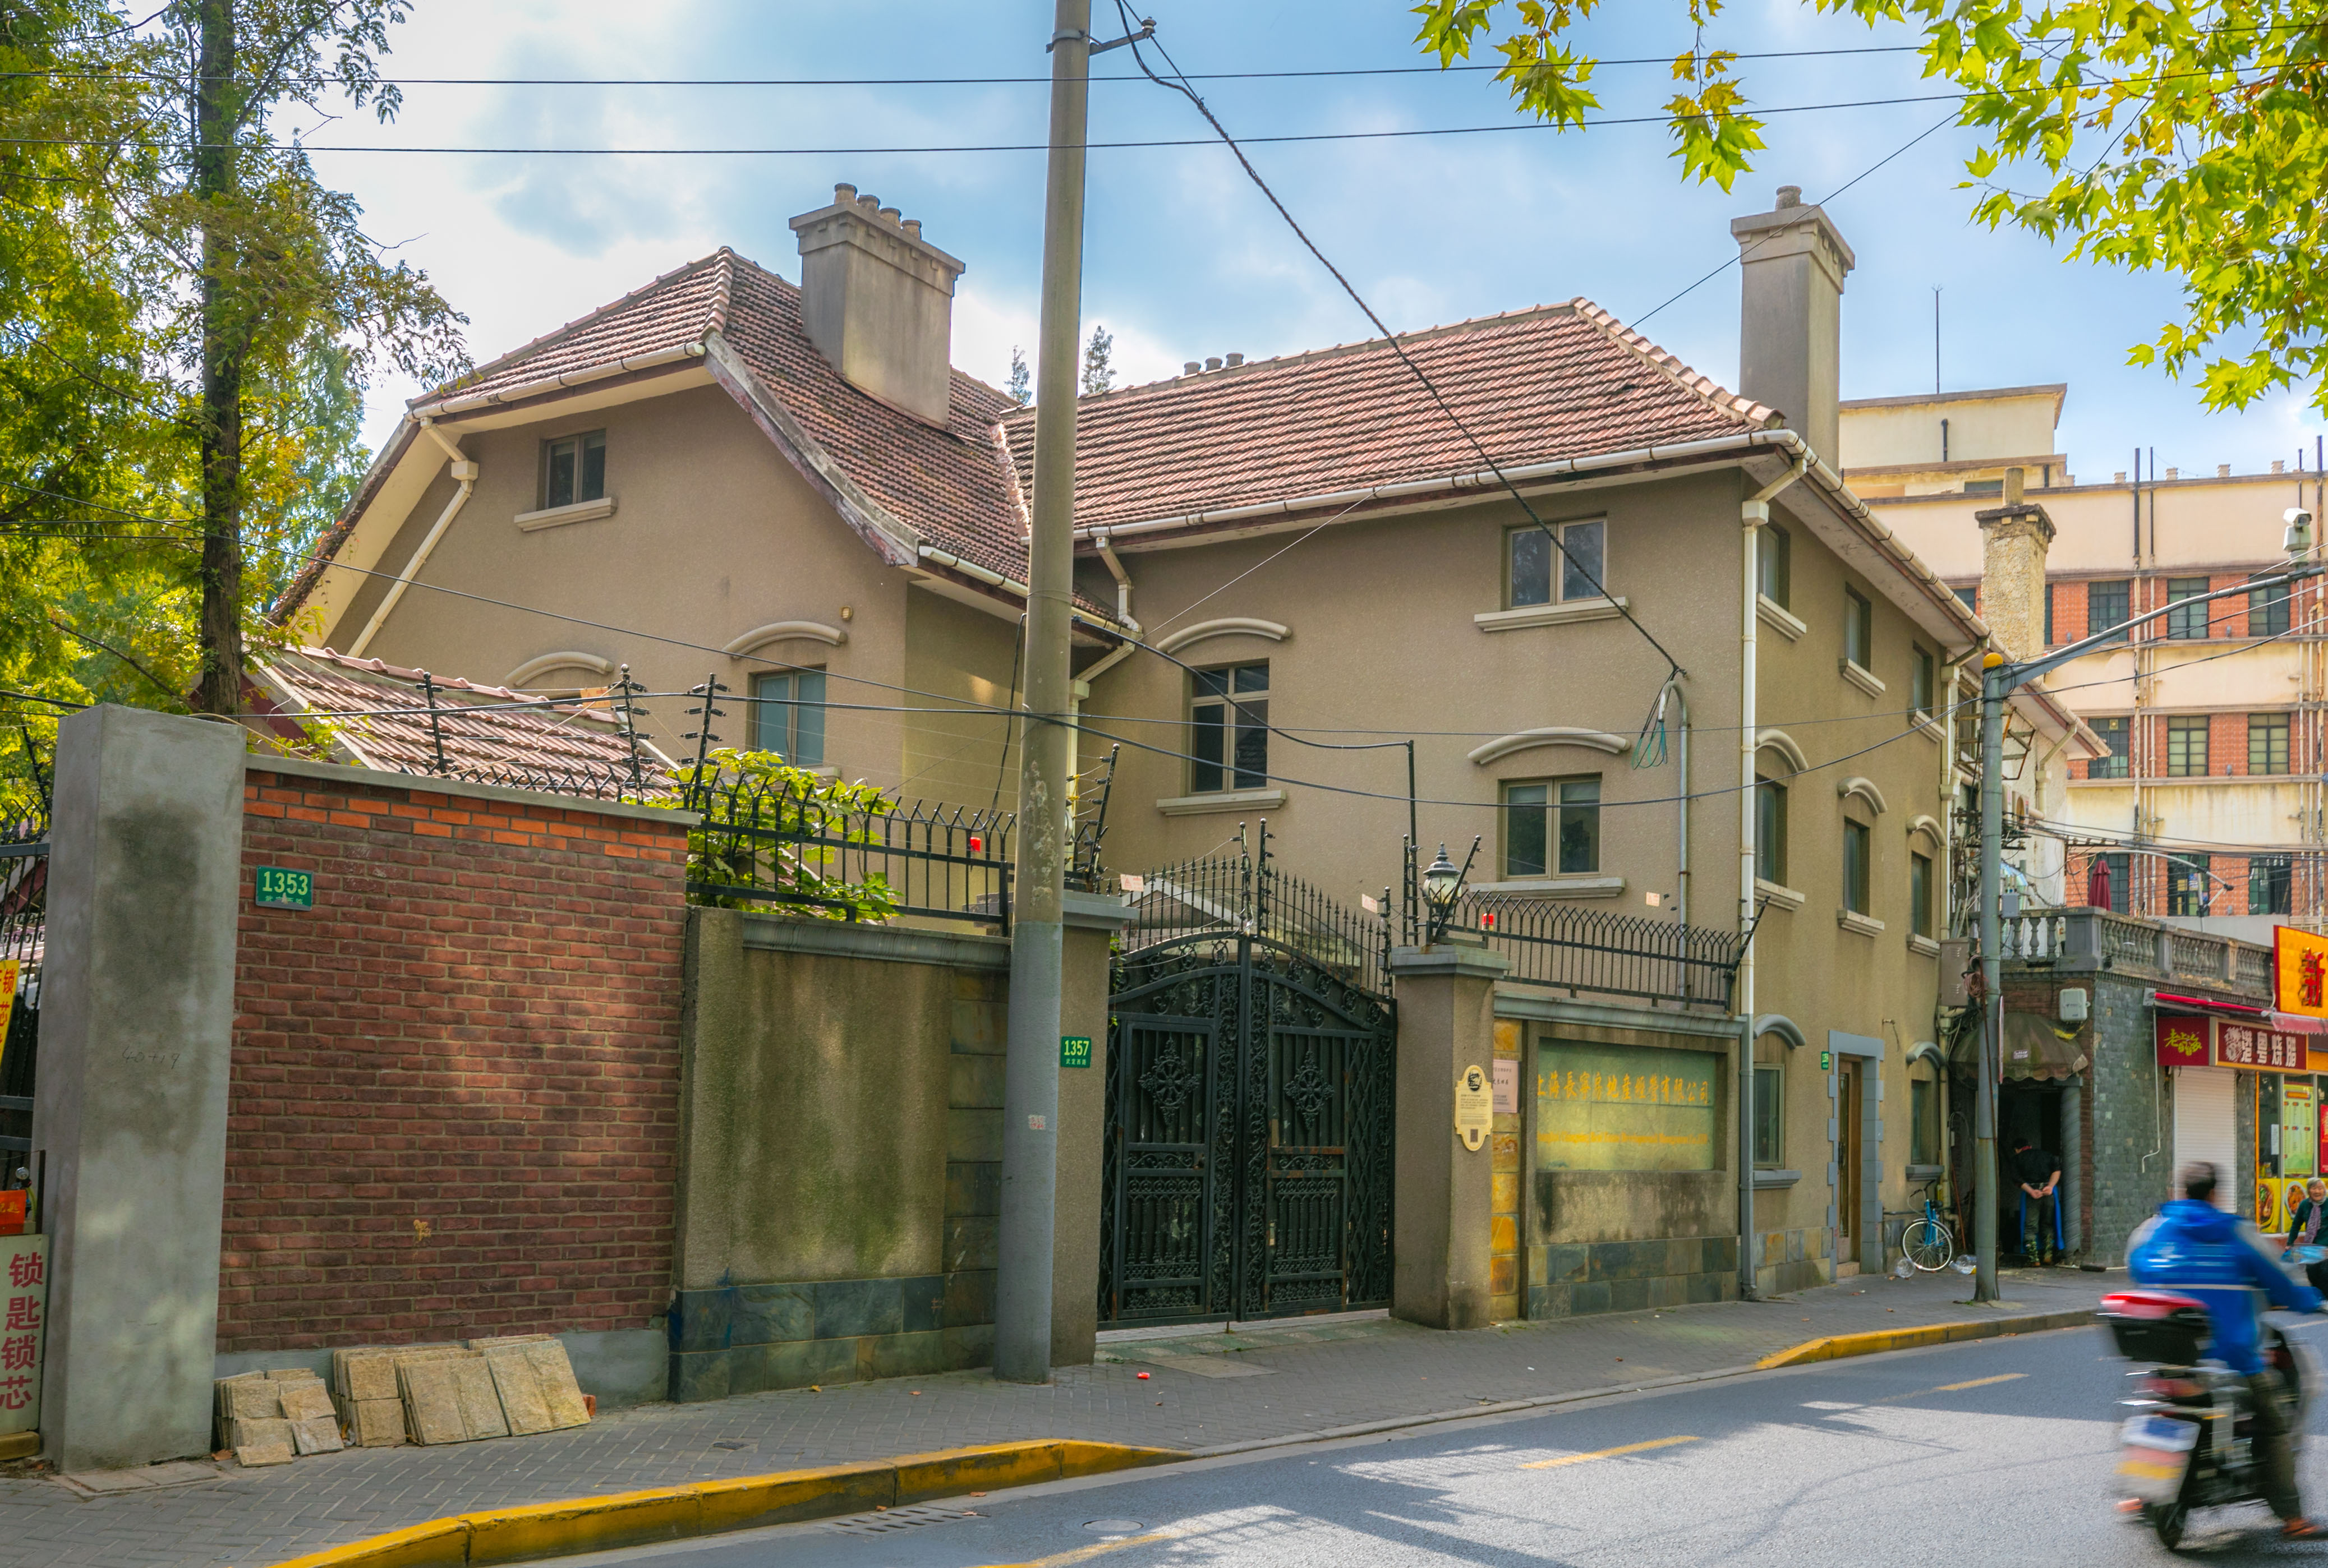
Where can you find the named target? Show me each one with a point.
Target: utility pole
(1998, 680)
(1030, 1092)
(1993, 689)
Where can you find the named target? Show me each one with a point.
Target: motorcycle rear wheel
(2170, 1522)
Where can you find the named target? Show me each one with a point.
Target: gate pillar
(1092, 920)
(1444, 1201)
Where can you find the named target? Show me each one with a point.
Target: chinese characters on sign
(2267, 1049)
(2299, 965)
(23, 1308)
(1475, 1117)
(1508, 1087)
(1607, 1107)
(2185, 1042)
(8, 967)
(2189, 1042)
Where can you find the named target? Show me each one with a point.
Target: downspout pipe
(464, 470)
(1123, 579)
(1753, 514)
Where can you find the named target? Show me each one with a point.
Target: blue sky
(1185, 259)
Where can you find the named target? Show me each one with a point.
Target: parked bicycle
(1928, 1244)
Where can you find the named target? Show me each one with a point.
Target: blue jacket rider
(2194, 1249)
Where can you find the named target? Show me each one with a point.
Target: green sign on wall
(1074, 1051)
(286, 889)
(1618, 1107)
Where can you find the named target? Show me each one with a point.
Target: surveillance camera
(2298, 539)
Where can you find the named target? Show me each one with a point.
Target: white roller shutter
(2205, 1128)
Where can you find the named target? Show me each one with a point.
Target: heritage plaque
(1475, 1114)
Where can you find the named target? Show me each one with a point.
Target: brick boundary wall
(453, 1107)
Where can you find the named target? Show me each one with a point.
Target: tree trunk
(214, 118)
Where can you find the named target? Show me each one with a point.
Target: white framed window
(788, 715)
(1228, 731)
(574, 470)
(1553, 828)
(1535, 567)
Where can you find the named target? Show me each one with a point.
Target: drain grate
(907, 1519)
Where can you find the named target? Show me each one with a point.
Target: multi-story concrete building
(2209, 806)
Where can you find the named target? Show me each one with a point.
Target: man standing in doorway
(2038, 1175)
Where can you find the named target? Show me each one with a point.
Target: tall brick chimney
(2015, 538)
(878, 300)
(1793, 261)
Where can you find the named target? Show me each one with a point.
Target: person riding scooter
(2195, 1249)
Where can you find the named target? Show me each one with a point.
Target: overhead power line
(62, 73)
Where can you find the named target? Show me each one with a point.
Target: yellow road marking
(1978, 1383)
(1085, 1553)
(1605, 1453)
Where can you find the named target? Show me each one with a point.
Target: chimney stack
(877, 301)
(1793, 261)
(2015, 539)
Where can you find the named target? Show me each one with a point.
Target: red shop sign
(2185, 1041)
(2260, 1049)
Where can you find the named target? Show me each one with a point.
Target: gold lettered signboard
(1616, 1107)
(1475, 1109)
(25, 1291)
(2299, 972)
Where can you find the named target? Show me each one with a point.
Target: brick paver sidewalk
(1206, 1392)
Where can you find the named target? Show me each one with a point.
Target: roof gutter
(971, 569)
(588, 373)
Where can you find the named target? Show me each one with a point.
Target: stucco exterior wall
(714, 534)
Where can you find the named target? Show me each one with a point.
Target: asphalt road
(1999, 1451)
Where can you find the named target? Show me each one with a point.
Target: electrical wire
(66, 74)
(1389, 337)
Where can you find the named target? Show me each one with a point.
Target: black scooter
(2186, 1439)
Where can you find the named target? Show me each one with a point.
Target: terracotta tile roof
(674, 310)
(1565, 380)
(950, 486)
(482, 739)
(1555, 381)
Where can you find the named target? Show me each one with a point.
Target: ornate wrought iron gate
(1251, 1057)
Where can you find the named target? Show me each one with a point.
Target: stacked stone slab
(274, 1417)
(498, 1386)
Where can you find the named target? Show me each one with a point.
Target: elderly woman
(2308, 1227)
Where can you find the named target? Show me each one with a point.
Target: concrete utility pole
(1030, 1092)
(1998, 680)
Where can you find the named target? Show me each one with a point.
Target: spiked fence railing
(1561, 948)
(1246, 893)
(779, 843)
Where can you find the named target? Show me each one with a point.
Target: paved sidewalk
(1204, 1392)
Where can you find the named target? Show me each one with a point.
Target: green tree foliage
(188, 319)
(761, 816)
(1099, 368)
(2190, 140)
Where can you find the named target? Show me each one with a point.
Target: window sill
(1556, 887)
(1865, 925)
(1567, 614)
(1222, 800)
(1785, 898)
(1862, 678)
(1924, 944)
(1764, 1180)
(554, 517)
(1923, 1172)
(1932, 728)
(1782, 620)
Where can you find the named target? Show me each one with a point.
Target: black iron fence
(1246, 893)
(845, 853)
(1562, 947)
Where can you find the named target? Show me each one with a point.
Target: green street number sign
(286, 889)
(1074, 1051)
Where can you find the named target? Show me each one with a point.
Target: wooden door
(1847, 1158)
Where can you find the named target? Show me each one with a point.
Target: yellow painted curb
(1836, 1347)
(539, 1530)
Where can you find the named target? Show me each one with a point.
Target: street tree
(252, 303)
(2190, 140)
